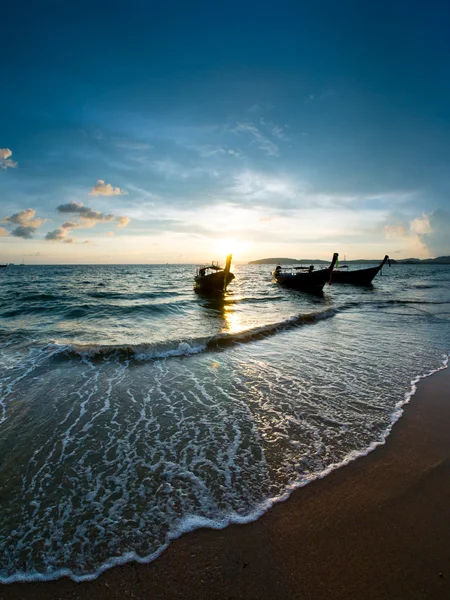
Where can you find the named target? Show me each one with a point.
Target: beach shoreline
(377, 528)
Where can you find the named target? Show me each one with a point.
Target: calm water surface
(132, 409)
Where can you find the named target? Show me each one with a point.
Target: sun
(226, 246)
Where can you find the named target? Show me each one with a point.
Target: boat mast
(226, 271)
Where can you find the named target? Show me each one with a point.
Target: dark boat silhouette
(359, 276)
(305, 279)
(212, 279)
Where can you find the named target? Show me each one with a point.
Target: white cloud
(5, 161)
(394, 231)
(173, 170)
(434, 232)
(106, 189)
(262, 141)
(421, 225)
(258, 186)
(206, 151)
(279, 132)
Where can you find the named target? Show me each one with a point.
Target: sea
(133, 410)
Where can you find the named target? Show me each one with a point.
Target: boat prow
(359, 276)
(212, 279)
(305, 279)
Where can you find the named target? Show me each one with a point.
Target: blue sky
(166, 132)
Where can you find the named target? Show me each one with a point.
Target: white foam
(191, 522)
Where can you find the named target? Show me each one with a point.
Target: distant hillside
(440, 260)
(287, 261)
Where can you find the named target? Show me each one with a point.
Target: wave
(191, 523)
(187, 347)
(135, 296)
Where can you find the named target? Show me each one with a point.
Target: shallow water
(132, 409)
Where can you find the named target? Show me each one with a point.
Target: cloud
(5, 161)
(173, 170)
(25, 217)
(256, 186)
(421, 225)
(3, 232)
(206, 151)
(263, 142)
(57, 235)
(23, 232)
(279, 133)
(88, 217)
(78, 208)
(106, 189)
(123, 221)
(429, 233)
(27, 223)
(393, 231)
(436, 237)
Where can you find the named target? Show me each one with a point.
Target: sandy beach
(376, 529)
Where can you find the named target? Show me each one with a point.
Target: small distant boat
(358, 276)
(3, 266)
(212, 279)
(305, 279)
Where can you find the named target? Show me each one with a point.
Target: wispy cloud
(106, 189)
(206, 151)
(173, 170)
(279, 132)
(5, 161)
(261, 140)
(259, 186)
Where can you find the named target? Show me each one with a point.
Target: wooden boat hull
(306, 282)
(213, 283)
(359, 276)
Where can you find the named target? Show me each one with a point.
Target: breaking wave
(179, 348)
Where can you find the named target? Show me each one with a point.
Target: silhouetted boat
(359, 276)
(304, 278)
(212, 279)
(3, 266)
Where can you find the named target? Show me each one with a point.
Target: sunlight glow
(226, 246)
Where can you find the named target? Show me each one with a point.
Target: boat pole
(226, 271)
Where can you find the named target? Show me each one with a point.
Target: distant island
(440, 260)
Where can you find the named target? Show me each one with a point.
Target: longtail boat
(306, 279)
(358, 276)
(212, 279)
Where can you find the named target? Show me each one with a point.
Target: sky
(153, 132)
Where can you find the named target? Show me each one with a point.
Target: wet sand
(376, 529)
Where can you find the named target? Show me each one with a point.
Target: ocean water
(133, 410)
